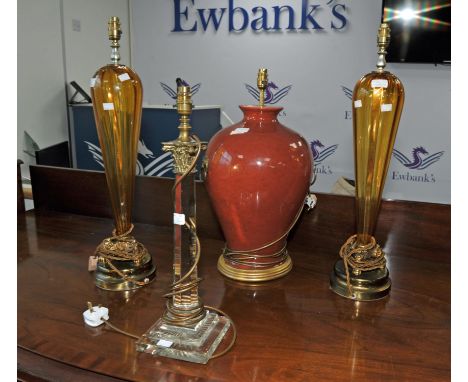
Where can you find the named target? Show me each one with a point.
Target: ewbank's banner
(315, 52)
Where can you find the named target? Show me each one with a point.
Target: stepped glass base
(367, 286)
(137, 273)
(255, 274)
(196, 344)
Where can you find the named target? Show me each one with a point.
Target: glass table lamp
(122, 262)
(378, 98)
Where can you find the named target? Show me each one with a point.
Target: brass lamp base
(123, 264)
(367, 286)
(255, 275)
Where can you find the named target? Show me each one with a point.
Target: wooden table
(292, 329)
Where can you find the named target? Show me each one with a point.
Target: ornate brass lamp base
(123, 264)
(367, 286)
(361, 274)
(252, 275)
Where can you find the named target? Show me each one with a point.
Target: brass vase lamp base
(195, 343)
(368, 286)
(255, 275)
(123, 264)
(364, 276)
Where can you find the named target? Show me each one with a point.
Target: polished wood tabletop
(291, 329)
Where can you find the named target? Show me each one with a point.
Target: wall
(425, 122)
(319, 65)
(41, 92)
(51, 54)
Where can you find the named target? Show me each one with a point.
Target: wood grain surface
(292, 329)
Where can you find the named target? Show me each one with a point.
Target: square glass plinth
(195, 344)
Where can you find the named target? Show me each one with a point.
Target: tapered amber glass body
(117, 102)
(377, 104)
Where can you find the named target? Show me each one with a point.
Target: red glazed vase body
(258, 175)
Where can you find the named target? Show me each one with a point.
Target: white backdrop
(319, 65)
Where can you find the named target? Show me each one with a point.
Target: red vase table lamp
(257, 174)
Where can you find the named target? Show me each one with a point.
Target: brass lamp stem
(383, 40)
(262, 83)
(184, 307)
(184, 147)
(114, 31)
(184, 109)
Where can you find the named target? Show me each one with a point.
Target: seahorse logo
(173, 93)
(143, 150)
(347, 91)
(158, 167)
(417, 162)
(272, 94)
(320, 152)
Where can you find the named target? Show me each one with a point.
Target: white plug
(95, 315)
(310, 201)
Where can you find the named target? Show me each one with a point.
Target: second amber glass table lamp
(378, 99)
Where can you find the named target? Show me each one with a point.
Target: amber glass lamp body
(117, 98)
(377, 104)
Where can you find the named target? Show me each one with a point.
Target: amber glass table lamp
(188, 330)
(378, 97)
(122, 262)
